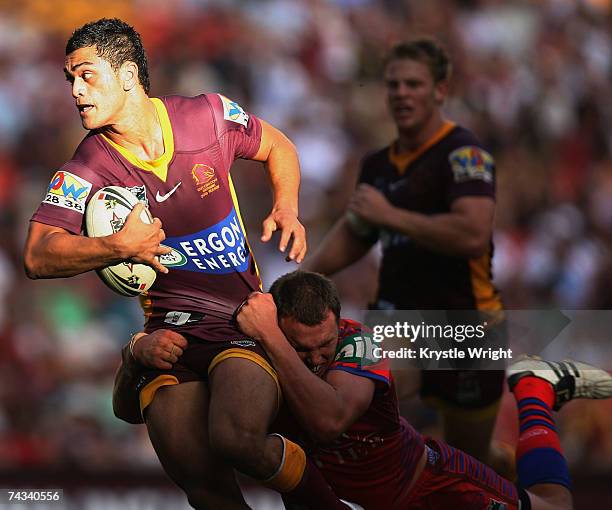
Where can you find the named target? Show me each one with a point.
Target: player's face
(96, 88)
(412, 95)
(316, 345)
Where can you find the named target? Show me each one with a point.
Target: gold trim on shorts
(148, 392)
(250, 356)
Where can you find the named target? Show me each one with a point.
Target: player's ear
(129, 75)
(441, 91)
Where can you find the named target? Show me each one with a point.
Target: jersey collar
(158, 166)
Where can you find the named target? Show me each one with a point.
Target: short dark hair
(428, 52)
(306, 297)
(115, 41)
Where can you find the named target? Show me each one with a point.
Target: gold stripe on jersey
(159, 166)
(485, 294)
(146, 303)
(237, 207)
(148, 392)
(402, 161)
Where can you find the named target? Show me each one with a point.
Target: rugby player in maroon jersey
(429, 198)
(343, 400)
(175, 153)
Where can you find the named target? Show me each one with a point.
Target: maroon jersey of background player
(452, 164)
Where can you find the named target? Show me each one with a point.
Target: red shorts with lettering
(454, 479)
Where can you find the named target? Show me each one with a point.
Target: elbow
(31, 271)
(477, 247)
(29, 267)
(32, 268)
(326, 431)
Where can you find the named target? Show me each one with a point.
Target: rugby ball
(106, 213)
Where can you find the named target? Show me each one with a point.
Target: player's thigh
(177, 422)
(244, 399)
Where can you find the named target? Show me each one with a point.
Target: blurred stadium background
(531, 78)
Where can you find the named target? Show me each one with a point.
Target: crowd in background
(531, 78)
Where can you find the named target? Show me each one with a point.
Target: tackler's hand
(257, 317)
(160, 349)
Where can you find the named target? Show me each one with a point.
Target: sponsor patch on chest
(218, 249)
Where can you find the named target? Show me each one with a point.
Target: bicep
(354, 392)
(270, 138)
(476, 211)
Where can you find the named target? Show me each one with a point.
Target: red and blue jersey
(374, 461)
(190, 190)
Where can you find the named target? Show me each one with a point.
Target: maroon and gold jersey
(373, 462)
(190, 190)
(451, 165)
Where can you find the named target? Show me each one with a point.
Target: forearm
(340, 248)
(280, 158)
(448, 233)
(58, 255)
(315, 403)
(284, 171)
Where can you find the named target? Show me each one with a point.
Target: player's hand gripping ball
(105, 215)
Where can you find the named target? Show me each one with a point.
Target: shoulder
(461, 142)
(376, 156)
(467, 157)
(228, 113)
(92, 159)
(356, 353)
(355, 344)
(372, 162)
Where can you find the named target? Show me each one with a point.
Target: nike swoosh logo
(162, 198)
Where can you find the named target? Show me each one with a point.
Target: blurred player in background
(429, 197)
(345, 405)
(175, 154)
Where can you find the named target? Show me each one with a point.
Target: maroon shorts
(135, 385)
(454, 479)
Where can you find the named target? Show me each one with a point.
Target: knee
(238, 445)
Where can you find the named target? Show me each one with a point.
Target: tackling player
(175, 154)
(429, 197)
(345, 403)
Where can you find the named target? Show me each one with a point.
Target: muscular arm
(281, 160)
(340, 248)
(53, 252)
(464, 232)
(325, 408)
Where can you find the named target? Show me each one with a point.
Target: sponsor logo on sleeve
(232, 111)
(68, 191)
(205, 179)
(357, 349)
(471, 163)
(219, 249)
